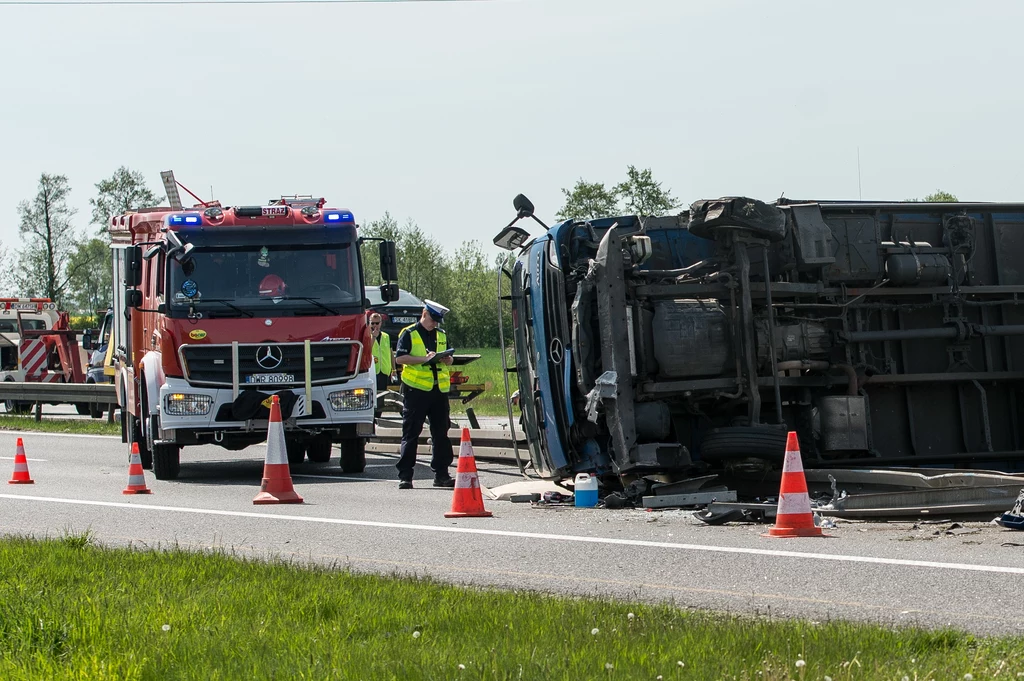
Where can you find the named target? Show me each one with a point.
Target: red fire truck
(216, 309)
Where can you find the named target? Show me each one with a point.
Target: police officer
(382, 353)
(425, 385)
(384, 358)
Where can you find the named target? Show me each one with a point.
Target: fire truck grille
(268, 364)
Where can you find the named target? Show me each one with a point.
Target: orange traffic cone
(467, 502)
(277, 480)
(794, 517)
(136, 476)
(21, 476)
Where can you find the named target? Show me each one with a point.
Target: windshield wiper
(314, 301)
(226, 302)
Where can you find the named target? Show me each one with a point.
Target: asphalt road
(892, 573)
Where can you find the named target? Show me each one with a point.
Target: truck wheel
(319, 448)
(135, 436)
(353, 455)
(734, 442)
(166, 461)
(14, 407)
(296, 450)
(95, 408)
(82, 408)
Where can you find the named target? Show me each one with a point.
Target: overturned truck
(884, 334)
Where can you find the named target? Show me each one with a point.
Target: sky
(442, 112)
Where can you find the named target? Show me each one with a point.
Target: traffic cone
(794, 517)
(467, 501)
(21, 476)
(136, 476)
(277, 480)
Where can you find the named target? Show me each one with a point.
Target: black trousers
(421, 405)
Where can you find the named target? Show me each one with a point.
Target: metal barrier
(59, 393)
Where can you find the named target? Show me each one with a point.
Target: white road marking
(339, 477)
(998, 569)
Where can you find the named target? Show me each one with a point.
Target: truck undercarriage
(882, 333)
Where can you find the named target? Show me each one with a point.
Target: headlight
(180, 404)
(351, 400)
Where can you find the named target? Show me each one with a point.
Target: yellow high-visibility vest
(382, 353)
(421, 376)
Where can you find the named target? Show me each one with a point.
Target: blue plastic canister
(585, 491)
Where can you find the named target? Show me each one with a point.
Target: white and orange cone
(794, 517)
(21, 475)
(136, 476)
(277, 479)
(468, 500)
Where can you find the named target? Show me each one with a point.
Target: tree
(586, 201)
(49, 240)
(123, 191)
(642, 195)
(939, 196)
(89, 277)
(5, 273)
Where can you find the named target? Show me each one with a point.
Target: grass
(70, 609)
(487, 369)
(76, 426)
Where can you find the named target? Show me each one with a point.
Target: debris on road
(1014, 518)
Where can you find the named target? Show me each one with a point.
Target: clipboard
(441, 355)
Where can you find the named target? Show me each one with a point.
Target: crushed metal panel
(615, 347)
(945, 502)
(694, 499)
(811, 236)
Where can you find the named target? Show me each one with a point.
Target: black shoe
(444, 482)
(405, 484)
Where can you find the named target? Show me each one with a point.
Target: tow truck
(38, 345)
(217, 308)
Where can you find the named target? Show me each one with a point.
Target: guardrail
(59, 393)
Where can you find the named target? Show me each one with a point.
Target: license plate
(270, 378)
(404, 320)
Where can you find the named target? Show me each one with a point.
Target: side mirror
(511, 238)
(389, 293)
(133, 298)
(388, 262)
(523, 206)
(151, 251)
(133, 269)
(183, 254)
(87, 337)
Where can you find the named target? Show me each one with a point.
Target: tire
(82, 408)
(166, 461)
(736, 442)
(95, 408)
(353, 455)
(135, 436)
(296, 450)
(14, 407)
(319, 448)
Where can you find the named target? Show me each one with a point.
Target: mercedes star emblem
(269, 356)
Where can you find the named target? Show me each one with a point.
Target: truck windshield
(266, 280)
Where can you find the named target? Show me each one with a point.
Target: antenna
(860, 192)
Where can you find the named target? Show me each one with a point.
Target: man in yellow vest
(425, 385)
(383, 355)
